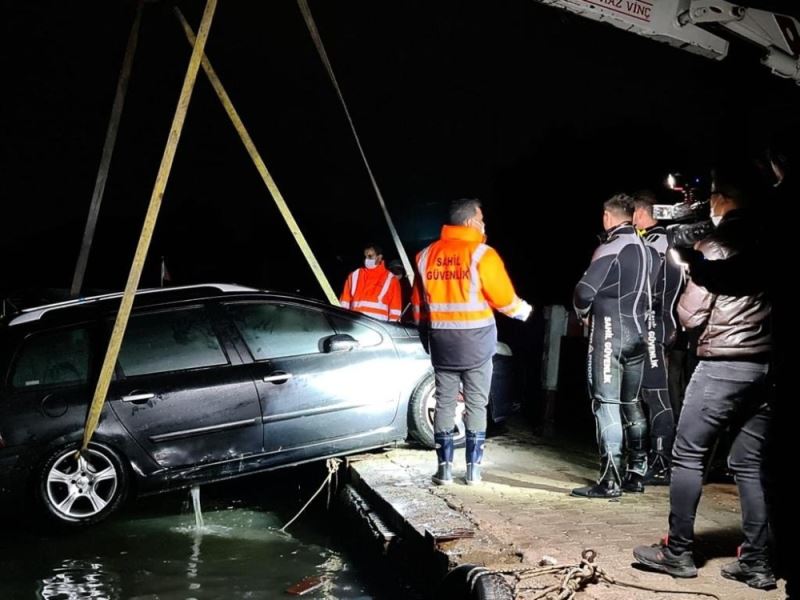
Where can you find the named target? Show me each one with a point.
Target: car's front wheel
(82, 489)
(420, 414)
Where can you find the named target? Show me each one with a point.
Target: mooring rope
(574, 578)
(333, 468)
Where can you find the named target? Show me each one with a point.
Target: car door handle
(138, 398)
(277, 378)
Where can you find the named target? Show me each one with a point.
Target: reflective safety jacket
(374, 292)
(461, 281)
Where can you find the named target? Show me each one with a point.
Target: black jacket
(731, 326)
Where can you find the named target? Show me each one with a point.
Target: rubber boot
(476, 440)
(444, 458)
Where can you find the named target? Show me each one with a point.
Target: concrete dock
(522, 515)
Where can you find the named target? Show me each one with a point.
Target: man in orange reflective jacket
(460, 282)
(373, 289)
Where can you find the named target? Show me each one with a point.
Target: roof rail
(37, 312)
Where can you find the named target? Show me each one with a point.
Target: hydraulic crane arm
(696, 25)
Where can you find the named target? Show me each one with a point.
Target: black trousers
(722, 394)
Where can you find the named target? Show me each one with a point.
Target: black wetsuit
(661, 330)
(616, 291)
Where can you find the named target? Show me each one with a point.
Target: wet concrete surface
(523, 513)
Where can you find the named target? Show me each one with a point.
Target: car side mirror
(341, 342)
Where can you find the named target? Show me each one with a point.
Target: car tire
(420, 414)
(78, 491)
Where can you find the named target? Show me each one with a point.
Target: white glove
(523, 312)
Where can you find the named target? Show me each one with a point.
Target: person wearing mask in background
(460, 282)
(373, 289)
(613, 296)
(728, 389)
(661, 332)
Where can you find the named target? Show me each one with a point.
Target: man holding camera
(615, 292)
(661, 333)
(727, 389)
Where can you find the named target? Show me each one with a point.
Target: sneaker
(604, 489)
(659, 557)
(756, 575)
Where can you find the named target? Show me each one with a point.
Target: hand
(523, 312)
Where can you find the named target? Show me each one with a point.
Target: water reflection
(76, 579)
(156, 552)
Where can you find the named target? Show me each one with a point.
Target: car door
(48, 387)
(316, 383)
(183, 395)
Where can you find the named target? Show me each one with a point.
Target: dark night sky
(528, 108)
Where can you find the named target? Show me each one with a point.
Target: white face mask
(370, 263)
(715, 219)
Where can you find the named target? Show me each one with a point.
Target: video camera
(690, 217)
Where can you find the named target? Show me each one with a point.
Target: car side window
(365, 336)
(170, 341)
(53, 358)
(272, 330)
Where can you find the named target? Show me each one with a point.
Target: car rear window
(53, 358)
(170, 341)
(275, 330)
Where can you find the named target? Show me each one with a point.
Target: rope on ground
(639, 586)
(574, 578)
(333, 469)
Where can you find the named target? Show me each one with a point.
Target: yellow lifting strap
(262, 168)
(312, 28)
(135, 274)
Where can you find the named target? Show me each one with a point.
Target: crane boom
(697, 25)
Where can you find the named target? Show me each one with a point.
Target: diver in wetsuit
(660, 336)
(614, 296)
